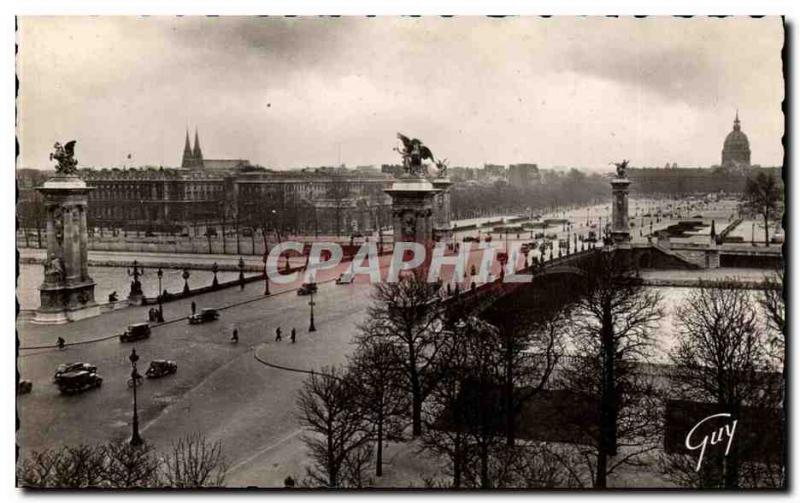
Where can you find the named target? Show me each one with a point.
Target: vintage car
(72, 367)
(24, 387)
(135, 332)
(161, 368)
(205, 314)
(470, 239)
(307, 289)
(77, 381)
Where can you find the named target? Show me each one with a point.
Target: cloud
(559, 91)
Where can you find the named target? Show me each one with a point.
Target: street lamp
(311, 327)
(136, 439)
(160, 273)
(266, 276)
(136, 285)
(241, 273)
(185, 277)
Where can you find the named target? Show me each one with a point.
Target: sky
(295, 92)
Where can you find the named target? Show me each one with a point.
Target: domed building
(736, 149)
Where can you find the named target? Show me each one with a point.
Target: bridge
(570, 270)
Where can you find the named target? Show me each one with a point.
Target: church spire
(187, 152)
(198, 154)
(736, 123)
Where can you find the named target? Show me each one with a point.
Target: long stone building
(230, 193)
(181, 201)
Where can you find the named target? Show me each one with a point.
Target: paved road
(220, 388)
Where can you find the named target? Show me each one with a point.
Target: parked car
(470, 239)
(78, 381)
(24, 387)
(135, 332)
(73, 367)
(161, 368)
(206, 314)
(307, 289)
(247, 232)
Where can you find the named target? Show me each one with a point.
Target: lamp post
(136, 285)
(136, 439)
(311, 327)
(214, 269)
(160, 273)
(266, 276)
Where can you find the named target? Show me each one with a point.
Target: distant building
(193, 158)
(523, 175)
(494, 170)
(392, 169)
(736, 149)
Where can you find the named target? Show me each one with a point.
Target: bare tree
(329, 410)
(773, 304)
(465, 411)
(128, 467)
(762, 194)
(529, 352)
(67, 467)
(722, 358)
(193, 462)
(377, 370)
(613, 322)
(339, 192)
(407, 315)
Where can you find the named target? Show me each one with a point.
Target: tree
(773, 304)
(128, 467)
(376, 372)
(329, 409)
(529, 352)
(67, 467)
(762, 194)
(339, 192)
(721, 358)
(613, 321)
(407, 315)
(465, 414)
(192, 462)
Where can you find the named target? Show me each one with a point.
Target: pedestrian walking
(294, 335)
(278, 334)
(60, 342)
(235, 337)
(194, 307)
